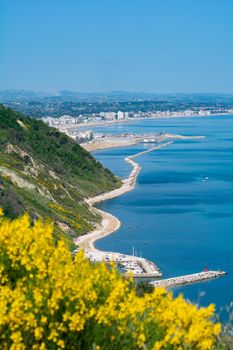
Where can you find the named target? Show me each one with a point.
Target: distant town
(76, 113)
(71, 125)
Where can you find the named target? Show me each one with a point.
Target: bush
(143, 287)
(51, 300)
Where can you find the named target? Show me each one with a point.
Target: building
(120, 115)
(110, 115)
(84, 136)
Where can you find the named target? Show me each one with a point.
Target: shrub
(143, 287)
(51, 300)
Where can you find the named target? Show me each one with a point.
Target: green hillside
(44, 172)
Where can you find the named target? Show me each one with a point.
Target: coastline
(110, 223)
(130, 120)
(117, 143)
(95, 146)
(137, 266)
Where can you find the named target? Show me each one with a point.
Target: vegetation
(46, 173)
(143, 287)
(51, 300)
(72, 103)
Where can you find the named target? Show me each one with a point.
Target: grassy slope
(61, 173)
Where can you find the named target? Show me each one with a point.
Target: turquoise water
(180, 214)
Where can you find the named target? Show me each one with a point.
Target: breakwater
(129, 183)
(188, 279)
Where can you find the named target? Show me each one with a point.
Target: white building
(110, 115)
(120, 115)
(84, 136)
(203, 112)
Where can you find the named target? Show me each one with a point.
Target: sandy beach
(98, 145)
(116, 143)
(109, 222)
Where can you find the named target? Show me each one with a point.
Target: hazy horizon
(116, 92)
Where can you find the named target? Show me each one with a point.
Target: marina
(135, 266)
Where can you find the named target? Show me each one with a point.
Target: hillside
(44, 172)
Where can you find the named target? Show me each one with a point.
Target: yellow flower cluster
(75, 223)
(52, 300)
(59, 207)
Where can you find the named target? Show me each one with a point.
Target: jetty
(127, 184)
(188, 279)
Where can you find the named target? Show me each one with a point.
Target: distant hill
(19, 95)
(47, 174)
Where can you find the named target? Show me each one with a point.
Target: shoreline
(117, 143)
(138, 267)
(130, 120)
(110, 223)
(95, 146)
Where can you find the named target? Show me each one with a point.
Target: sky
(161, 46)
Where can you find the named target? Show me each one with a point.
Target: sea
(180, 214)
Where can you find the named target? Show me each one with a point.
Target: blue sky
(104, 45)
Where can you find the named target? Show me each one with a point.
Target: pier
(188, 279)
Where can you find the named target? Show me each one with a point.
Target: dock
(188, 279)
(134, 266)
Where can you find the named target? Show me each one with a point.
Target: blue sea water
(180, 214)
